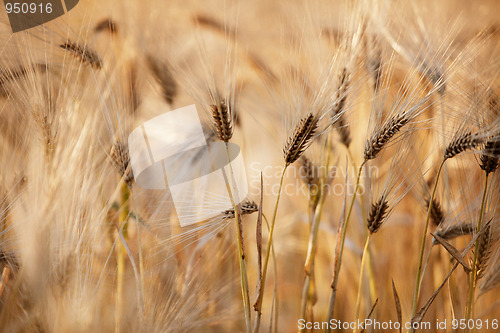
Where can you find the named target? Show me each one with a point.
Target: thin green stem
(361, 277)
(473, 277)
(416, 293)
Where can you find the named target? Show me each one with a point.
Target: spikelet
(377, 215)
(121, 161)
(490, 155)
(84, 54)
(453, 231)
(301, 139)
(246, 207)
(437, 214)
(490, 278)
(383, 135)
(460, 144)
(309, 172)
(221, 115)
(484, 250)
(337, 110)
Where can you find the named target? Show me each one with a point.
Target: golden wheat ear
(377, 215)
(383, 135)
(120, 159)
(437, 213)
(301, 138)
(453, 231)
(490, 155)
(460, 144)
(83, 53)
(222, 120)
(338, 109)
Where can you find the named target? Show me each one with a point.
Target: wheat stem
(472, 280)
(422, 246)
(307, 299)
(124, 213)
(340, 250)
(141, 258)
(310, 258)
(361, 277)
(258, 305)
(241, 249)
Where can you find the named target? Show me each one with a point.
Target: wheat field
(370, 136)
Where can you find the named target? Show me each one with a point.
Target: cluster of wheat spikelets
(365, 126)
